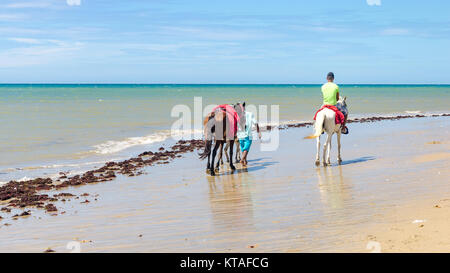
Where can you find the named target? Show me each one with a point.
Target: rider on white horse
(331, 119)
(330, 92)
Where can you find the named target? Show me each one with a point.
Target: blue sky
(168, 41)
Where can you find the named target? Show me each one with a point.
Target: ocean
(48, 128)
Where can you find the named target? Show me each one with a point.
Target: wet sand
(280, 203)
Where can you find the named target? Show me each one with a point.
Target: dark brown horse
(217, 128)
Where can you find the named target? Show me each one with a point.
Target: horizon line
(53, 83)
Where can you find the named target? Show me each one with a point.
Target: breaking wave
(113, 146)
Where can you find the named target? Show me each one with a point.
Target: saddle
(339, 119)
(232, 117)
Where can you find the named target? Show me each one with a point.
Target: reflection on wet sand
(333, 187)
(279, 203)
(230, 200)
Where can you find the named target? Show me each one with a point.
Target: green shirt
(329, 91)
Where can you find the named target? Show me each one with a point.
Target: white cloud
(395, 31)
(318, 28)
(374, 2)
(206, 33)
(37, 54)
(33, 41)
(24, 5)
(73, 2)
(25, 40)
(11, 17)
(173, 46)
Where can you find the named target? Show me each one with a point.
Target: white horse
(325, 121)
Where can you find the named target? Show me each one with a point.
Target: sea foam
(113, 146)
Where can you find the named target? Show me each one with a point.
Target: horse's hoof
(208, 171)
(212, 173)
(233, 168)
(326, 164)
(317, 163)
(339, 161)
(216, 170)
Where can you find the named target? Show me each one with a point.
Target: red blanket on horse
(339, 116)
(232, 116)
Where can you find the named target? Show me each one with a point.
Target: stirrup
(344, 130)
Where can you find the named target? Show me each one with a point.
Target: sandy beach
(106, 108)
(391, 189)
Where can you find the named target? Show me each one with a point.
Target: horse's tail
(318, 126)
(208, 124)
(207, 150)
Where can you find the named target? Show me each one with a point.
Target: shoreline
(368, 119)
(25, 194)
(280, 203)
(231, 84)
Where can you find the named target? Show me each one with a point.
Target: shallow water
(280, 203)
(52, 128)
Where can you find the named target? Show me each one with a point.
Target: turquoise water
(47, 128)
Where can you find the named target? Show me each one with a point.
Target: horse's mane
(342, 104)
